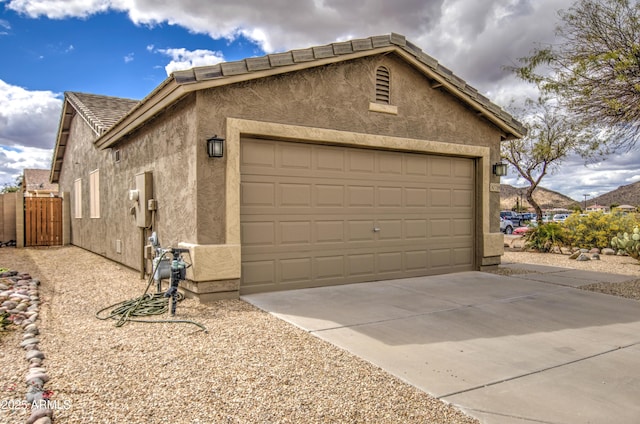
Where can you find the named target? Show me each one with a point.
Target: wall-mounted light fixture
(499, 169)
(215, 147)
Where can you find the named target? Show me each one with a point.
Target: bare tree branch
(594, 71)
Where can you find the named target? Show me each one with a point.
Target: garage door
(315, 215)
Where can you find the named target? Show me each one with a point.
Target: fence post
(66, 218)
(19, 220)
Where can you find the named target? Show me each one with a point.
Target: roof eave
(171, 91)
(457, 87)
(61, 141)
(182, 83)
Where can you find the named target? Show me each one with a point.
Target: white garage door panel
(321, 215)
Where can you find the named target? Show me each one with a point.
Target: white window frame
(77, 198)
(94, 194)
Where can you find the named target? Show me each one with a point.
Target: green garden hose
(146, 305)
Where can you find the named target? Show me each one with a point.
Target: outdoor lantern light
(215, 147)
(499, 169)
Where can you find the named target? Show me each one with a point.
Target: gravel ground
(612, 264)
(250, 367)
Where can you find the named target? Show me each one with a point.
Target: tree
(8, 188)
(551, 137)
(594, 70)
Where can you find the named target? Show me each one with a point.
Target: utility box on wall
(144, 187)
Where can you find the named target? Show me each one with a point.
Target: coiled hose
(146, 305)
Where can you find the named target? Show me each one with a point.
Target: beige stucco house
(355, 161)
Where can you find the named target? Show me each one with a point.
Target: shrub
(629, 242)
(596, 229)
(546, 236)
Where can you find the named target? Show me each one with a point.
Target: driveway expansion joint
(517, 377)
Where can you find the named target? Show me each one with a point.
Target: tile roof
(38, 180)
(100, 112)
(335, 50)
(112, 117)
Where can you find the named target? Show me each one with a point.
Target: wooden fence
(43, 221)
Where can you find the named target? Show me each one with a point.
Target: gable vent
(382, 85)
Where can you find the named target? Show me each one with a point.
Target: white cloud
(129, 58)
(59, 9)
(13, 162)
(186, 59)
(28, 118)
(477, 39)
(574, 178)
(28, 128)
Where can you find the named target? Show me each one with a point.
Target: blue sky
(103, 54)
(126, 48)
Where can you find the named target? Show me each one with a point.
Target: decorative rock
(36, 370)
(608, 251)
(34, 354)
(37, 361)
(37, 376)
(38, 413)
(29, 341)
(32, 328)
(37, 382)
(565, 250)
(583, 257)
(34, 394)
(3, 287)
(575, 255)
(9, 304)
(43, 420)
(595, 256)
(594, 250)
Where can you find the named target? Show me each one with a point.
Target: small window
(383, 85)
(77, 198)
(116, 156)
(94, 194)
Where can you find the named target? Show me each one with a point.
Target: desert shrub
(546, 236)
(596, 229)
(628, 242)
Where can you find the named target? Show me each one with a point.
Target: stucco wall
(190, 187)
(164, 147)
(337, 97)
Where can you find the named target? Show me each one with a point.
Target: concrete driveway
(528, 348)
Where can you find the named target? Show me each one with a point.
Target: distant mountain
(547, 199)
(623, 195)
